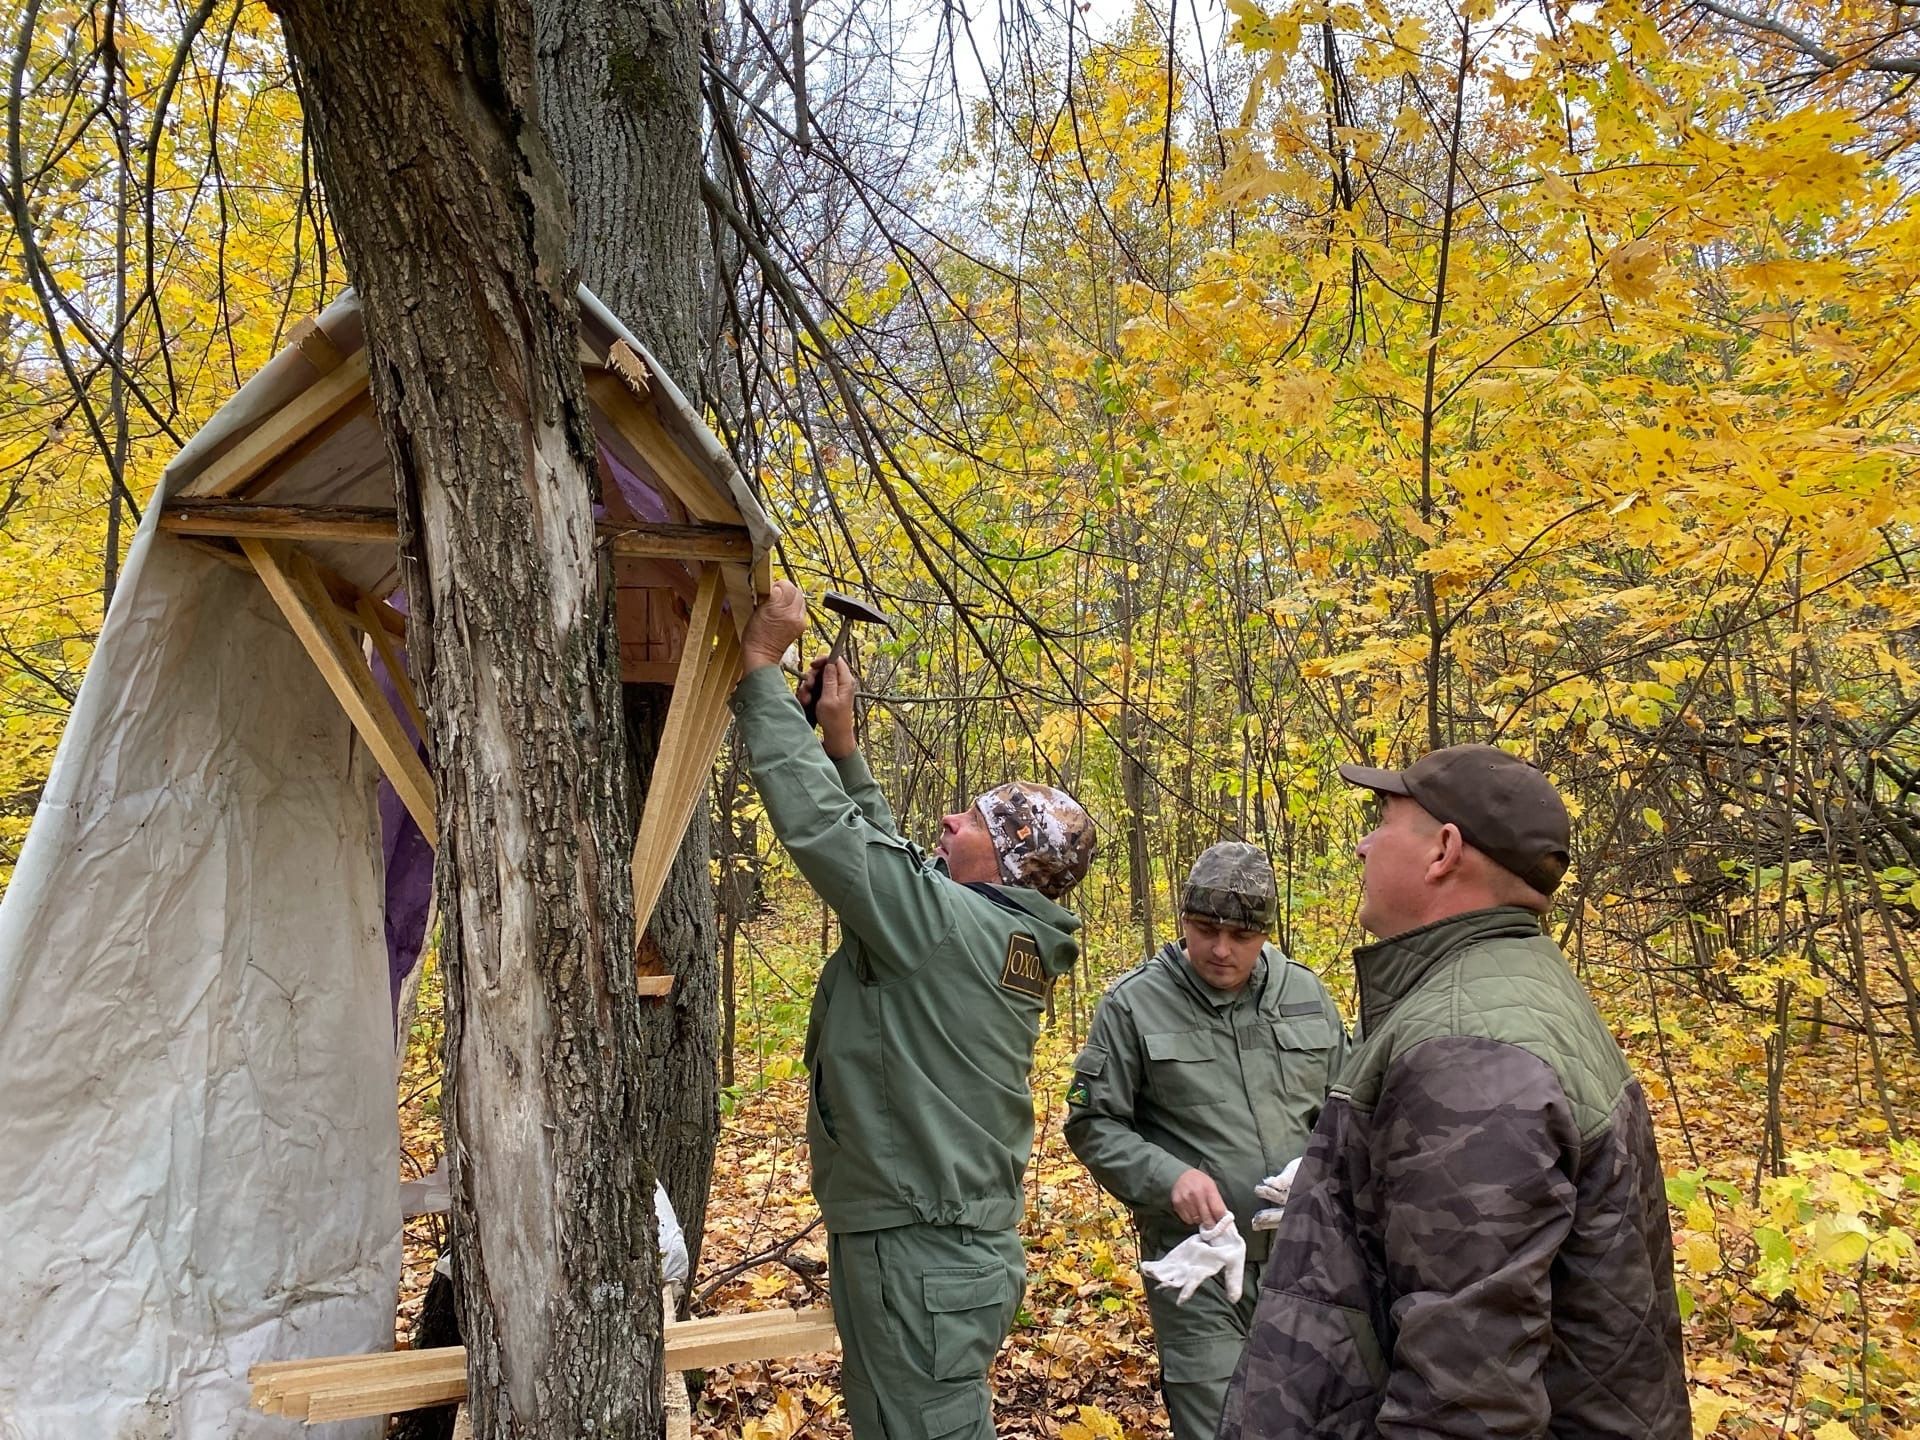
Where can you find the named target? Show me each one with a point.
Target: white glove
(1275, 1189)
(1216, 1250)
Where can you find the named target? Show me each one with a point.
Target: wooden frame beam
(348, 1387)
(376, 524)
(680, 542)
(296, 587)
(231, 519)
(696, 718)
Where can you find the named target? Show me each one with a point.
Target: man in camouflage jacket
(1477, 1243)
(1202, 1075)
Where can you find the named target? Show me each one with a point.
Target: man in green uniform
(919, 1119)
(1202, 1077)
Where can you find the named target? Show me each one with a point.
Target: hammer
(849, 610)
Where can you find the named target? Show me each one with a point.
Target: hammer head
(852, 609)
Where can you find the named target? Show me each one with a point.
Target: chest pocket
(1184, 1069)
(1302, 1032)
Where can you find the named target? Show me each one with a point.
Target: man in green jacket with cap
(919, 1118)
(1202, 1076)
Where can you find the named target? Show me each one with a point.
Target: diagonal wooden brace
(297, 589)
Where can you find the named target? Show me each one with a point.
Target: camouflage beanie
(1044, 839)
(1232, 882)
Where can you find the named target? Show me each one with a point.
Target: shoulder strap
(992, 892)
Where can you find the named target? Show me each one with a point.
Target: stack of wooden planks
(346, 1387)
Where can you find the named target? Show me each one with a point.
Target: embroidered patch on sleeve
(1077, 1092)
(1022, 971)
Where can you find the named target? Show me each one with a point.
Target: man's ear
(1450, 853)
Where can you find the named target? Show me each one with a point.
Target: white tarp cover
(198, 1140)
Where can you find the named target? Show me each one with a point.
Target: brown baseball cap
(1501, 805)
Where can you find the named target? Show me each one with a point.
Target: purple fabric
(409, 858)
(641, 498)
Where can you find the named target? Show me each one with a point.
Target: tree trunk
(620, 102)
(453, 222)
(1134, 775)
(619, 84)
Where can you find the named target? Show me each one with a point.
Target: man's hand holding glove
(1216, 1250)
(1274, 1190)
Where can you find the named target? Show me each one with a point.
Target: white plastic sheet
(198, 1141)
(674, 1265)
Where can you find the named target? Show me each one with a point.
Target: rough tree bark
(619, 86)
(452, 218)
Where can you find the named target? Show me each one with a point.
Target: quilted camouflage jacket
(1478, 1241)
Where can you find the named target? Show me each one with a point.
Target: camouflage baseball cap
(1044, 838)
(1232, 882)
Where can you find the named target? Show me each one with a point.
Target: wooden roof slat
(285, 428)
(641, 429)
(315, 345)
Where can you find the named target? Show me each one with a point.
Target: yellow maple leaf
(1093, 1424)
(1708, 1407)
(1701, 1254)
(1633, 268)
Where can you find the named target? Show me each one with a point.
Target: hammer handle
(811, 708)
(840, 640)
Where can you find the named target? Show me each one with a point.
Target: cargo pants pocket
(967, 1413)
(969, 1312)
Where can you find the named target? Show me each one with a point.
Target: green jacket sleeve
(899, 908)
(1338, 1051)
(864, 791)
(1107, 1079)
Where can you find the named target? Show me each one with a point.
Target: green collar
(1390, 970)
(1254, 990)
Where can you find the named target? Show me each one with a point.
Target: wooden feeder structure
(292, 479)
(212, 920)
